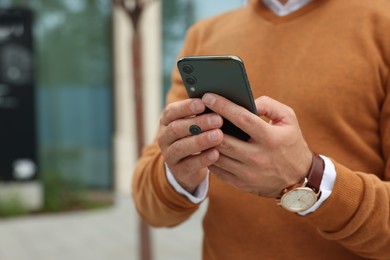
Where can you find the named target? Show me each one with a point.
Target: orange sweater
(330, 62)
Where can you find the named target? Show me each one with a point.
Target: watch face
(299, 199)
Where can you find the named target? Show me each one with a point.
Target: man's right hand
(186, 155)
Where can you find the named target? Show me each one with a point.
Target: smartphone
(222, 75)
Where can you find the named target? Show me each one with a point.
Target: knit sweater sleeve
(357, 214)
(156, 200)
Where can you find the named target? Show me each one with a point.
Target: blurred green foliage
(68, 195)
(12, 206)
(60, 195)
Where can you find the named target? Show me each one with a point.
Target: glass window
(73, 88)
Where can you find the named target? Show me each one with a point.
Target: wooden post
(134, 10)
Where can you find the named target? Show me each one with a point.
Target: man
(320, 73)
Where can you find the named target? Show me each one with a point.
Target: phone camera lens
(191, 80)
(187, 68)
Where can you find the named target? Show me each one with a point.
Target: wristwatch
(303, 195)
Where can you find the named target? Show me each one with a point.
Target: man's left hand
(276, 155)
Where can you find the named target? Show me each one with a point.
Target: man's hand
(187, 155)
(276, 156)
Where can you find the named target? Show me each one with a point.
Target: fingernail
(208, 99)
(214, 120)
(196, 106)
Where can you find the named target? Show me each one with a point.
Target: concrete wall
(125, 134)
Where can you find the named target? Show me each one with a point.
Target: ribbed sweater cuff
(342, 204)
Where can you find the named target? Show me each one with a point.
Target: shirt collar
(288, 8)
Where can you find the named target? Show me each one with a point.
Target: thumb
(278, 113)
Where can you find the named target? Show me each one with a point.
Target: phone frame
(224, 75)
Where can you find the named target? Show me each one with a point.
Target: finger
(225, 176)
(233, 148)
(185, 147)
(238, 115)
(181, 109)
(277, 112)
(193, 164)
(181, 128)
(229, 164)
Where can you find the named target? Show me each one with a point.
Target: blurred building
(80, 91)
(56, 72)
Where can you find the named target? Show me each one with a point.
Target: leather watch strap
(314, 177)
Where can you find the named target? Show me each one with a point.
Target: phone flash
(192, 89)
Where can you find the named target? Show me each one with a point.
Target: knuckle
(244, 117)
(160, 138)
(168, 158)
(175, 128)
(290, 111)
(162, 119)
(265, 99)
(169, 112)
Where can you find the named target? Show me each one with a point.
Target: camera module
(191, 80)
(187, 68)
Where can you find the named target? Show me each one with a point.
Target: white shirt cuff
(326, 186)
(200, 193)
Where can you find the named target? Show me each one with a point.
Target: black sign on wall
(18, 145)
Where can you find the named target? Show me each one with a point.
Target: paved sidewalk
(106, 234)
